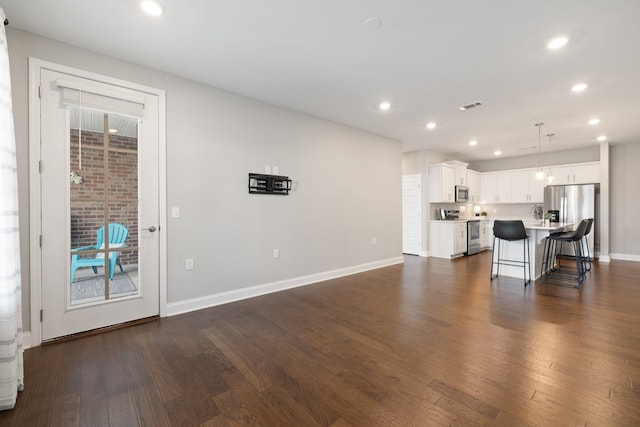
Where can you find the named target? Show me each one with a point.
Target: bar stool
(563, 275)
(511, 231)
(585, 244)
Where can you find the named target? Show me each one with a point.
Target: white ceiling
(428, 58)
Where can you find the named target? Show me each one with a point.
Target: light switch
(175, 212)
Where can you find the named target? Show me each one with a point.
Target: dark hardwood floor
(430, 342)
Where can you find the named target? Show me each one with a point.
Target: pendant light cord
(539, 125)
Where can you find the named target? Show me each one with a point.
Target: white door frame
(35, 206)
(417, 178)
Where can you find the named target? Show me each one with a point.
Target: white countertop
(554, 226)
(529, 224)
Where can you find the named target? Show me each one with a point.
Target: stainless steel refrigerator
(575, 203)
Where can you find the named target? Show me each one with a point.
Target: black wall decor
(269, 184)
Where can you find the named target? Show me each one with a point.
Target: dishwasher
(473, 237)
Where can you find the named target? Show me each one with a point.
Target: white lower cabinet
(447, 239)
(486, 234)
(460, 238)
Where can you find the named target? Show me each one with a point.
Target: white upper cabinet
(495, 187)
(526, 188)
(520, 187)
(512, 186)
(460, 172)
(504, 187)
(536, 188)
(488, 187)
(585, 173)
(442, 178)
(473, 181)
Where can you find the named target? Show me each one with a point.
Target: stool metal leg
(525, 252)
(585, 243)
(493, 255)
(526, 244)
(498, 267)
(544, 265)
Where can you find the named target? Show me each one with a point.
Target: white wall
(347, 182)
(624, 201)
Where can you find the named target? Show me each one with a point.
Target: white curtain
(11, 369)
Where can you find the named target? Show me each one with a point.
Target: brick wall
(86, 215)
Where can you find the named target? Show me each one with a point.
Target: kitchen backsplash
(515, 210)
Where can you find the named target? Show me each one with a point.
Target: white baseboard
(626, 257)
(26, 340)
(424, 254)
(194, 304)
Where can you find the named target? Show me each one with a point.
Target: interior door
(411, 214)
(99, 199)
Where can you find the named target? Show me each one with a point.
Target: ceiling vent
(469, 106)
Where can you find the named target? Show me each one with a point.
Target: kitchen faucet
(536, 210)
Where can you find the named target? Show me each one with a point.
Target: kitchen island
(537, 232)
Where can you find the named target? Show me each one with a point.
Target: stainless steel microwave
(462, 193)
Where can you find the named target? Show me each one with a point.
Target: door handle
(150, 229)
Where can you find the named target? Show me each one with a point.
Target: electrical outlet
(276, 170)
(189, 264)
(276, 253)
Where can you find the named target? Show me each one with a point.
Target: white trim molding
(26, 340)
(625, 257)
(207, 301)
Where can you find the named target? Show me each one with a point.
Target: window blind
(101, 99)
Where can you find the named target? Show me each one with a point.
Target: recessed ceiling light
(152, 8)
(473, 142)
(431, 125)
(557, 42)
(373, 23)
(384, 106)
(579, 87)
(594, 121)
(602, 138)
(497, 152)
(112, 130)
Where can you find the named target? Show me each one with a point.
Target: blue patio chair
(117, 236)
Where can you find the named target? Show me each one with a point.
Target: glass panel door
(103, 200)
(99, 205)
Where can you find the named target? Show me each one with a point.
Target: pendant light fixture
(539, 172)
(550, 177)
